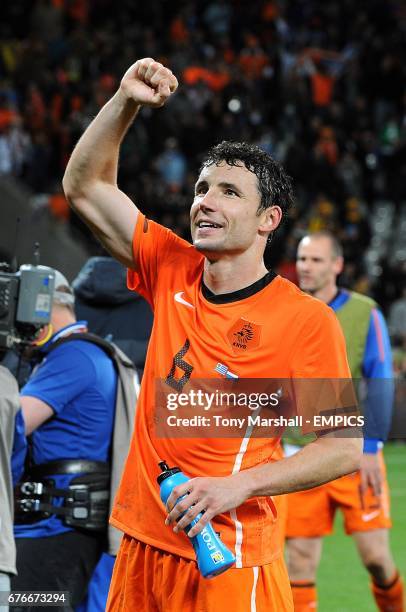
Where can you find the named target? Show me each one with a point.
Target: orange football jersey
(275, 332)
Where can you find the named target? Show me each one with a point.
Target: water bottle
(213, 558)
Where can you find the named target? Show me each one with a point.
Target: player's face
(224, 215)
(316, 265)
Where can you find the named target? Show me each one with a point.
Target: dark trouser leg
(63, 562)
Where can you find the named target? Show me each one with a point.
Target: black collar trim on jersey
(241, 294)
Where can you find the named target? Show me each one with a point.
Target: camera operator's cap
(66, 296)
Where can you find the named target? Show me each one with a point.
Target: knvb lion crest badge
(244, 335)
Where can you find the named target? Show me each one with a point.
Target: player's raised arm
(90, 180)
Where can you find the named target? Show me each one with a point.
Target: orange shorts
(311, 513)
(281, 505)
(146, 579)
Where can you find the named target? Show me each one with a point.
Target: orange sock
(304, 596)
(389, 597)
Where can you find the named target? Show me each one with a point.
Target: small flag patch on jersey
(224, 371)
(221, 369)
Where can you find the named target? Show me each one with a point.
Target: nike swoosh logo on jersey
(370, 516)
(178, 298)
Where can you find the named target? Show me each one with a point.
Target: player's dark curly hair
(274, 185)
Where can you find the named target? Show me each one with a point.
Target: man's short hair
(63, 293)
(274, 185)
(336, 247)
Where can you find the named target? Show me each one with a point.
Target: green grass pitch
(343, 583)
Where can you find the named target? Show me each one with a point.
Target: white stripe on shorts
(254, 590)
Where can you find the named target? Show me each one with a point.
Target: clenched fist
(148, 82)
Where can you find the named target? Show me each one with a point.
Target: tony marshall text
(257, 421)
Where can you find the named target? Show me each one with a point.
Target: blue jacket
(78, 381)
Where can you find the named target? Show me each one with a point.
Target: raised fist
(149, 83)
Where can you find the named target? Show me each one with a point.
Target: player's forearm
(95, 157)
(317, 463)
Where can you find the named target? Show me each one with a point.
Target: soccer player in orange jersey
(362, 496)
(217, 310)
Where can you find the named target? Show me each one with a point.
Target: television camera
(25, 303)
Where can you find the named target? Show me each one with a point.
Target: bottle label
(217, 557)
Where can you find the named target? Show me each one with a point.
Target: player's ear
(338, 265)
(270, 219)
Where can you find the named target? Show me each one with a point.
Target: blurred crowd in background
(319, 85)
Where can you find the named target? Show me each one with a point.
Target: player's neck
(326, 294)
(226, 276)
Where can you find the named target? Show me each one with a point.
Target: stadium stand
(321, 86)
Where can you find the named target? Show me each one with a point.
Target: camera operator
(11, 438)
(68, 406)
